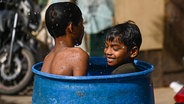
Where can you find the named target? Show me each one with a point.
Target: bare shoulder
(74, 53)
(77, 51)
(80, 50)
(80, 59)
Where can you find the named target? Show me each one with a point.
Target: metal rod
(13, 38)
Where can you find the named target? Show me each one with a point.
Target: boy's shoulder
(125, 68)
(78, 49)
(75, 51)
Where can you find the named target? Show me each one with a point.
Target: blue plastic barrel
(97, 88)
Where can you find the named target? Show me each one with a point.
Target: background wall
(148, 15)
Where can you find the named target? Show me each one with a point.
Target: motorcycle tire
(14, 85)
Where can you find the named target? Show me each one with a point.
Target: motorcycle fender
(18, 45)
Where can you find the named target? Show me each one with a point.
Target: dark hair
(128, 33)
(59, 15)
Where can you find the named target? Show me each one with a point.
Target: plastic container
(97, 88)
(179, 97)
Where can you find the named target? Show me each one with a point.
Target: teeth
(108, 59)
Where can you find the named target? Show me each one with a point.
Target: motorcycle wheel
(15, 81)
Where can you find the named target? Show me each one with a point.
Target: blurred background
(160, 21)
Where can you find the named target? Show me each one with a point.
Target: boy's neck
(64, 42)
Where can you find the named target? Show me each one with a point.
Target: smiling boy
(122, 45)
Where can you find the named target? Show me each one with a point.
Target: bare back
(70, 61)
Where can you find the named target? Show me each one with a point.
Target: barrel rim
(149, 69)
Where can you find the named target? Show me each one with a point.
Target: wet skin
(117, 53)
(64, 58)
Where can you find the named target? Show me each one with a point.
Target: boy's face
(116, 52)
(79, 32)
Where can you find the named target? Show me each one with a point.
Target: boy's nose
(108, 51)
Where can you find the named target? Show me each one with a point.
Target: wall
(148, 15)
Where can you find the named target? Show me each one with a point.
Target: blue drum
(99, 87)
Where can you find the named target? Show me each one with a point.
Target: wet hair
(128, 33)
(59, 15)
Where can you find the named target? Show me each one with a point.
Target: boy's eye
(115, 48)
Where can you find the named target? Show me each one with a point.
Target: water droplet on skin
(63, 67)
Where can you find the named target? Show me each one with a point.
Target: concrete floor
(162, 96)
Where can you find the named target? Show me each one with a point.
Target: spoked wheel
(18, 75)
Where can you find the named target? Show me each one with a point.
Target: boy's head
(59, 15)
(122, 43)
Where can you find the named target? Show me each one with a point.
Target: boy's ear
(134, 52)
(70, 27)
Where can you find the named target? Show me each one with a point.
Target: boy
(65, 24)
(122, 45)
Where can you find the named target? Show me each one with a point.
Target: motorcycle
(19, 48)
